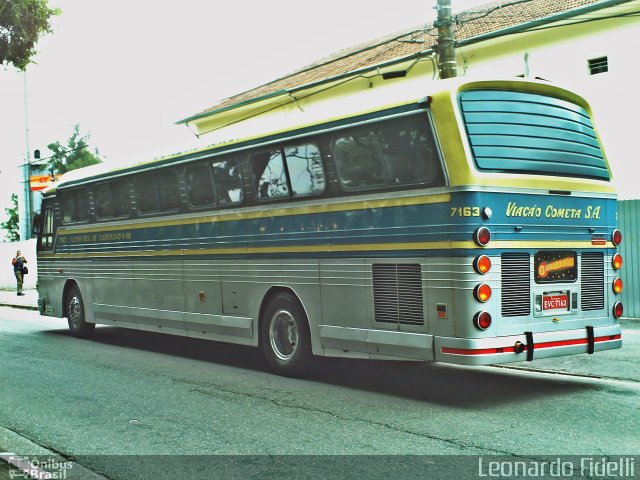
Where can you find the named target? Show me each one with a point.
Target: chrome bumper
(486, 351)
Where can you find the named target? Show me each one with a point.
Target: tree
(12, 226)
(75, 154)
(22, 22)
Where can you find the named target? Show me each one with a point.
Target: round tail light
(618, 310)
(482, 236)
(482, 292)
(482, 264)
(617, 285)
(482, 320)
(617, 261)
(616, 237)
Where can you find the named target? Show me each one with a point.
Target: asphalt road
(127, 393)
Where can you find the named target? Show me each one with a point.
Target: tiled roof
(486, 19)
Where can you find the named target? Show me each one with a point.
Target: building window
(598, 65)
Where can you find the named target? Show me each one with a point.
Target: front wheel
(284, 335)
(75, 315)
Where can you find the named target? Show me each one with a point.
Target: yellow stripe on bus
(464, 244)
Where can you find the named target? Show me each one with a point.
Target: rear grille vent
(516, 284)
(592, 281)
(397, 293)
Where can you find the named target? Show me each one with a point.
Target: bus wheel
(75, 315)
(284, 335)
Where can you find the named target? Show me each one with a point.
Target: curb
(23, 307)
(35, 461)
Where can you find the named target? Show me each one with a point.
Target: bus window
(359, 160)
(393, 153)
(200, 186)
(410, 153)
(112, 199)
(269, 175)
(46, 235)
(157, 192)
(227, 180)
(146, 198)
(75, 205)
(305, 170)
(168, 192)
(294, 171)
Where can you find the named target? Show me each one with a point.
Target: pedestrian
(19, 268)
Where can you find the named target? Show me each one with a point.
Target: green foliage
(75, 154)
(12, 226)
(22, 22)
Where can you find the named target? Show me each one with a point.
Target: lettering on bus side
(95, 237)
(591, 212)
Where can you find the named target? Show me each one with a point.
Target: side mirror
(37, 225)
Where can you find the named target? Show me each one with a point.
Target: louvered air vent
(516, 284)
(397, 293)
(592, 281)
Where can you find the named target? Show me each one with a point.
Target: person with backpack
(19, 269)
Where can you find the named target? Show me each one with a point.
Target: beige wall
(7, 252)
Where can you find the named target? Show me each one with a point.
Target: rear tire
(284, 336)
(74, 308)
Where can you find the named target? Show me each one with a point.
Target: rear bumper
(486, 351)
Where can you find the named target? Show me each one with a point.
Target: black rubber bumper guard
(531, 345)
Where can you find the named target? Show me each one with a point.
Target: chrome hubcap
(283, 335)
(75, 315)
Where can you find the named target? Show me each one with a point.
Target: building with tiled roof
(498, 19)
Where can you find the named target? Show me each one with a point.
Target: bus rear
(532, 188)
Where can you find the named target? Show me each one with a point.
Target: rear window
(518, 132)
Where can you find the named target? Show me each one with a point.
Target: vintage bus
(474, 225)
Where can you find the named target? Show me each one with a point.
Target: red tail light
(482, 292)
(482, 264)
(482, 236)
(618, 310)
(482, 320)
(616, 237)
(617, 285)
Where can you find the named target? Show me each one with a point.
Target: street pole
(446, 45)
(25, 218)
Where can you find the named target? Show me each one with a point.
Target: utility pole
(446, 45)
(25, 216)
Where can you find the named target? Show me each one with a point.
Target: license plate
(555, 302)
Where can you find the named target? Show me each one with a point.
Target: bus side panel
(247, 284)
(114, 295)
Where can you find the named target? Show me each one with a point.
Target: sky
(127, 70)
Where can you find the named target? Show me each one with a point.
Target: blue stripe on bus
(538, 218)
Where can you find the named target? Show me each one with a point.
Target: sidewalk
(29, 301)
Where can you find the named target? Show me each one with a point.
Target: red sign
(555, 302)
